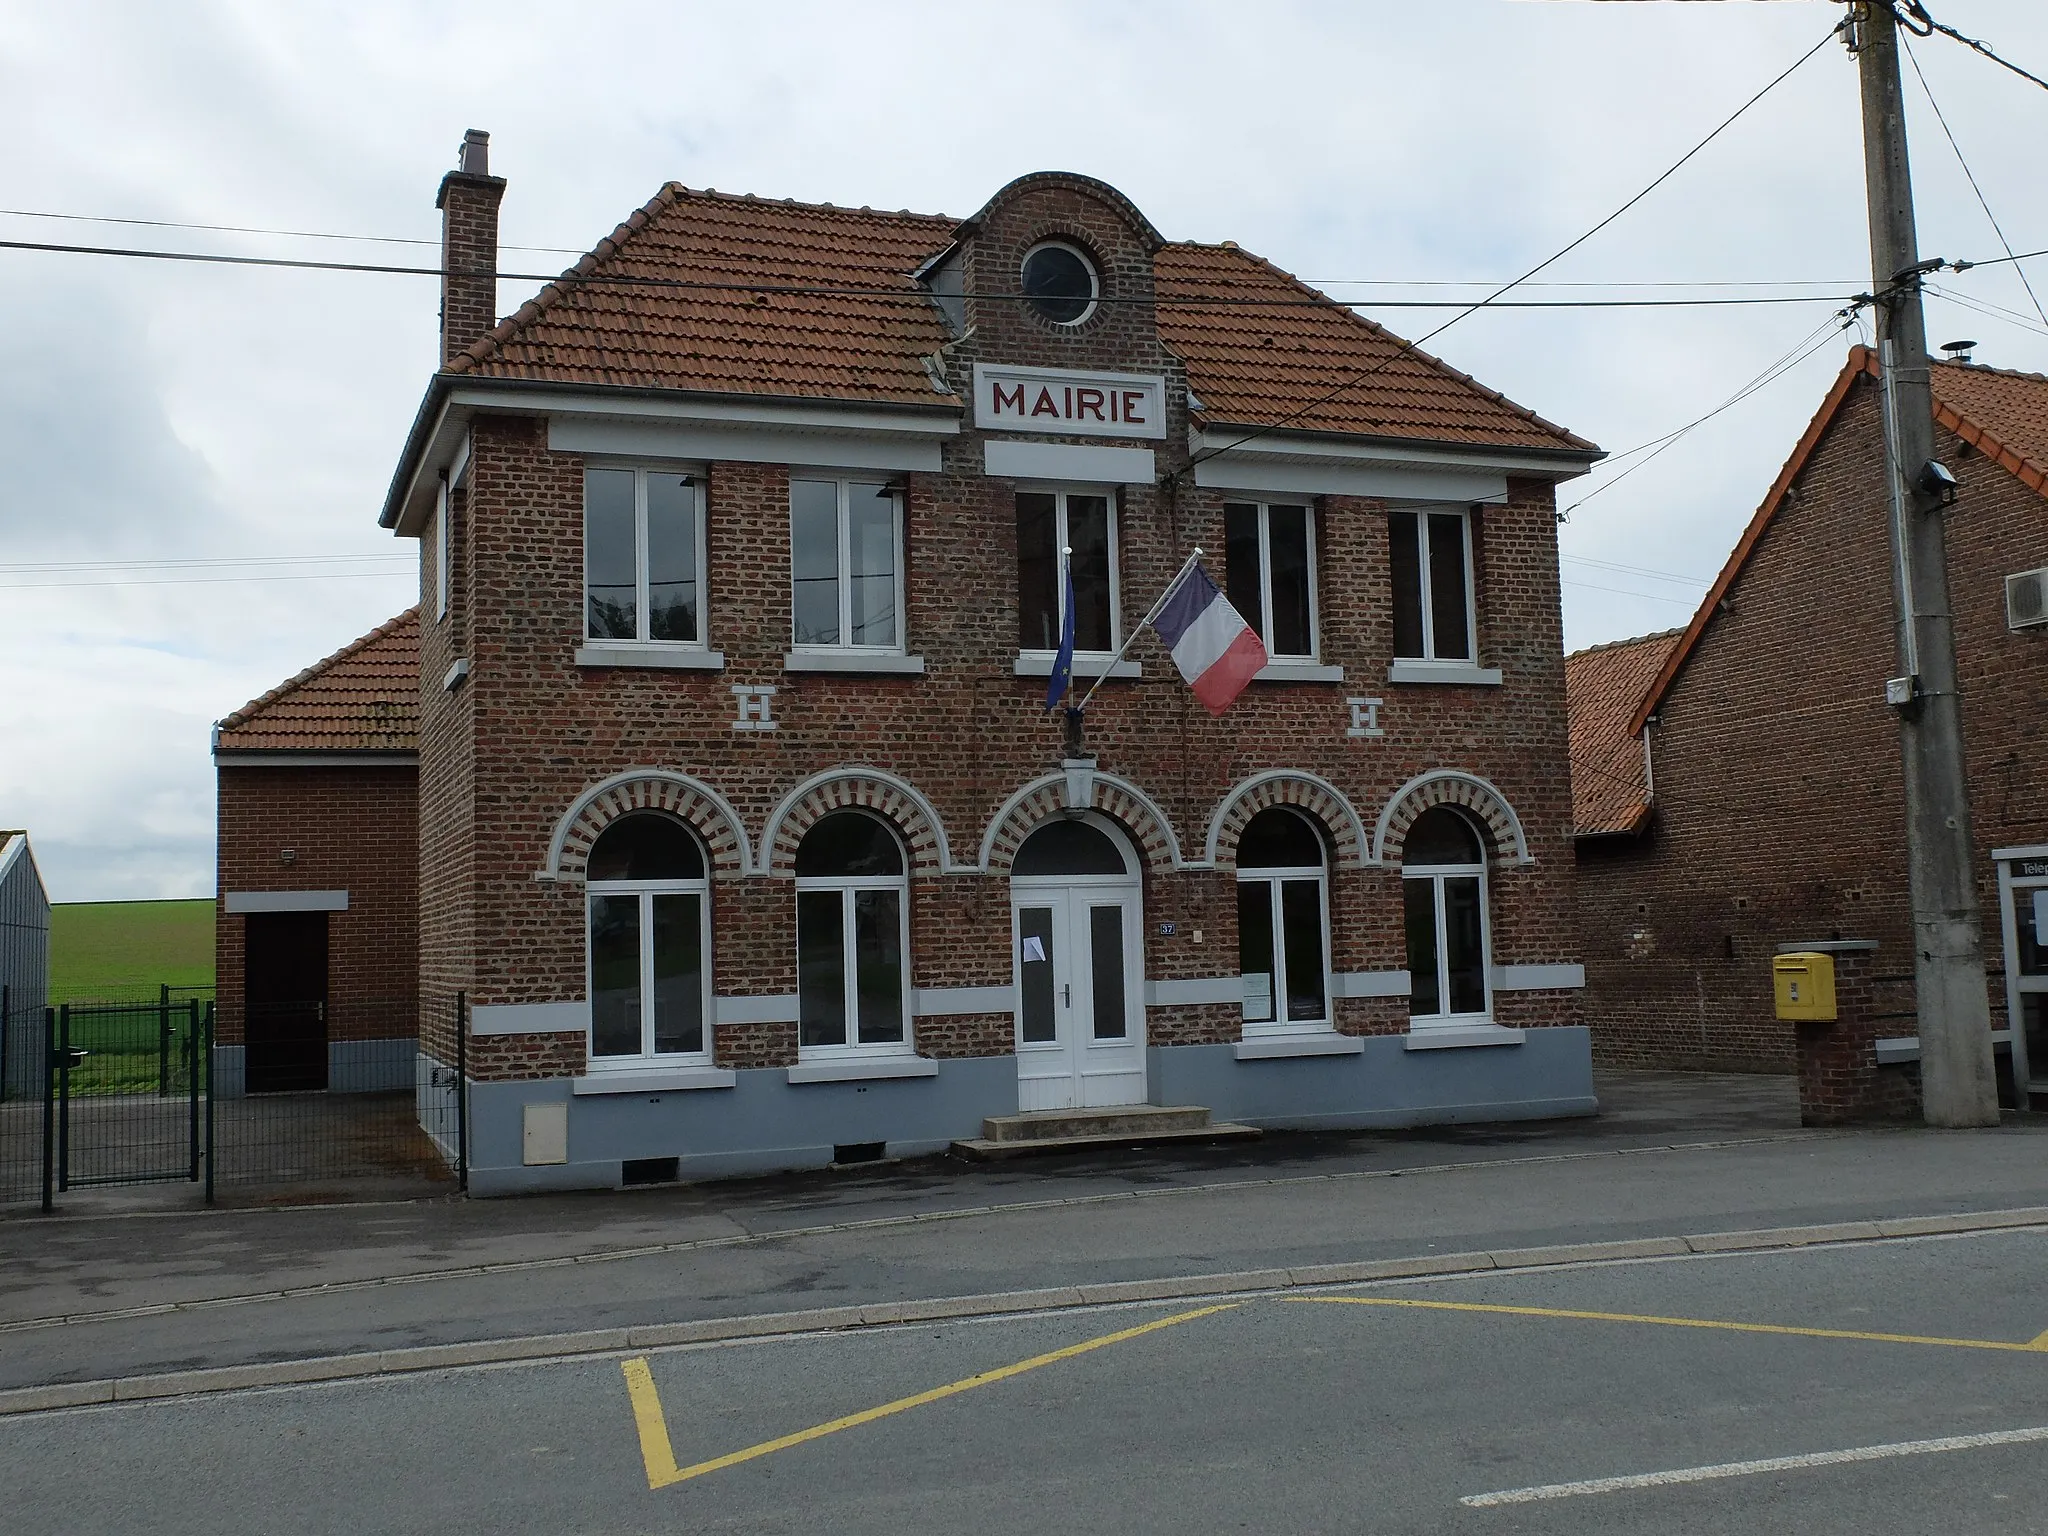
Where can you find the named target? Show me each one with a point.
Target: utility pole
(1957, 1079)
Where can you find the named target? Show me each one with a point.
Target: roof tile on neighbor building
(2001, 412)
(1603, 686)
(363, 698)
(758, 325)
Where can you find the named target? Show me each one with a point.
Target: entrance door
(2024, 882)
(284, 991)
(1075, 932)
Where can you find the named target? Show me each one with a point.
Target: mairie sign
(1068, 402)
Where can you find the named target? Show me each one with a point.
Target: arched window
(1443, 885)
(852, 938)
(650, 943)
(1283, 922)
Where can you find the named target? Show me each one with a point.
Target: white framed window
(444, 547)
(1443, 891)
(1283, 924)
(1430, 552)
(852, 940)
(1047, 523)
(845, 565)
(649, 949)
(1269, 562)
(1060, 282)
(643, 557)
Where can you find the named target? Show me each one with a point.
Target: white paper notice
(2041, 916)
(1034, 947)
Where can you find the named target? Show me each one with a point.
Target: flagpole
(1073, 714)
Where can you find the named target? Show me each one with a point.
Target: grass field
(107, 950)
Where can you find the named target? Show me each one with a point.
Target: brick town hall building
(737, 814)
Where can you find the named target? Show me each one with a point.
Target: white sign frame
(1069, 402)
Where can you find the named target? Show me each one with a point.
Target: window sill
(1039, 664)
(458, 673)
(1414, 671)
(1297, 672)
(859, 1069)
(654, 1080)
(853, 661)
(1322, 1042)
(1451, 1037)
(682, 658)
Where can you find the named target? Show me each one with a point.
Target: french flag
(1215, 649)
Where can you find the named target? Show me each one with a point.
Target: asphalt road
(1386, 1413)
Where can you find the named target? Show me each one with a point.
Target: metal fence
(296, 1102)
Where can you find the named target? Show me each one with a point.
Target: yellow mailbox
(1805, 986)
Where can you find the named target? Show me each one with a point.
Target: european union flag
(1063, 664)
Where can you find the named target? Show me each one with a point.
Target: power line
(1984, 307)
(185, 581)
(913, 295)
(1637, 570)
(245, 229)
(31, 567)
(1493, 298)
(1655, 597)
(1970, 175)
(1917, 21)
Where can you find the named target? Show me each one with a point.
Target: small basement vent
(2026, 599)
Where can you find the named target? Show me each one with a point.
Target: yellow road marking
(659, 1454)
(2036, 1345)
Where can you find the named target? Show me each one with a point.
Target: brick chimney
(468, 202)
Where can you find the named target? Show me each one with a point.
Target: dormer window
(1060, 283)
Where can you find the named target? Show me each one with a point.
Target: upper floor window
(1047, 523)
(649, 943)
(852, 938)
(846, 571)
(1431, 555)
(1270, 564)
(444, 547)
(1282, 922)
(1060, 283)
(643, 556)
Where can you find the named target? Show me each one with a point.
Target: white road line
(1752, 1468)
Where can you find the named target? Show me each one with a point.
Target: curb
(604, 1341)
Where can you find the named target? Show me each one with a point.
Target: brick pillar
(468, 202)
(1841, 1081)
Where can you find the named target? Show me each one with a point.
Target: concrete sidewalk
(1669, 1156)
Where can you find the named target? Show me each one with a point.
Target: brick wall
(1779, 808)
(349, 829)
(504, 758)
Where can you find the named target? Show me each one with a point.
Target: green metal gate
(122, 1101)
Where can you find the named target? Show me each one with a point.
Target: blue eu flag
(1063, 664)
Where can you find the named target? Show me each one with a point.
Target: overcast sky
(152, 412)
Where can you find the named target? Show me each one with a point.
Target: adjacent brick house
(1739, 787)
(315, 928)
(743, 825)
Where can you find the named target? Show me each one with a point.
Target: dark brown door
(284, 989)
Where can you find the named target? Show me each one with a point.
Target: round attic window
(1060, 283)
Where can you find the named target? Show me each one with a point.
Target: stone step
(1114, 1120)
(985, 1150)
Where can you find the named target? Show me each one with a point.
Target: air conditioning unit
(2026, 599)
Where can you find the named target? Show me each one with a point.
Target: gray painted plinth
(353, 1066)
(765, 1124)
(762, 1124)
(1548, 1076)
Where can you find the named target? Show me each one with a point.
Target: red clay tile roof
(1256, 365)
(1247, 364)
(1603, 684)
(363, 698)
(2001, 412)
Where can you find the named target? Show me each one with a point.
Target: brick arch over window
(1313, 796)
(870, 789)
(1447, 786)
(648, 789)
(1045, 798)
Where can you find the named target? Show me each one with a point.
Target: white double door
(1080, 1005)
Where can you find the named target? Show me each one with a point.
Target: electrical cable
(1493, 299)
(29, 568)
(185, 581)
(1802, 349)
(763, 291)
(1970, 175)
(1914, 11)
(1984, 307)
(245, 229)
